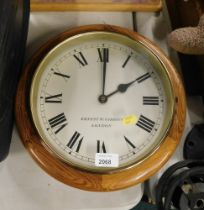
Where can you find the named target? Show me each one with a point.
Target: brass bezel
(137, 45)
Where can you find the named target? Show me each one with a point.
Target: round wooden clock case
(90, 178)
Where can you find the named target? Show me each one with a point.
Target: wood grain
(96, 5)
(83, 179)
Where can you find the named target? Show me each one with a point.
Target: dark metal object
(14, 18)
(144, 206)
(178, 188)
(134, 21)
(194, 143)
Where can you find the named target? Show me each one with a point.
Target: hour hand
(122, 88)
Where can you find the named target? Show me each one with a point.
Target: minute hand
(122, 88)
(105, 60)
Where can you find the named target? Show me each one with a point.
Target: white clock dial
(101, 93)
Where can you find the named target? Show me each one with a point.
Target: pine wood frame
(96, 5)
(87, 180)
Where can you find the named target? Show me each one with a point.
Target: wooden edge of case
(83, 179)
(150, 6)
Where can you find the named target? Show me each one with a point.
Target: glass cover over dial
(101, 92)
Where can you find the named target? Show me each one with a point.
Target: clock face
(101, 98)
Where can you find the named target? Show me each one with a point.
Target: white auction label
(106, 160)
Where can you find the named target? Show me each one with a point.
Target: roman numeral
(143, 77)
(101, 147)
(80, 58)
(65, 76)
(58, 122)
(126, 61)
(129, 142)
(75, 141)
(150, 100)
(103, 54)
(145, 123)
(54, 98)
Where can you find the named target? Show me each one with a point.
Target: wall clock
(100, 108)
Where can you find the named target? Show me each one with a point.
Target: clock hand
(102, 97)
(121, 88)
(105, 56)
